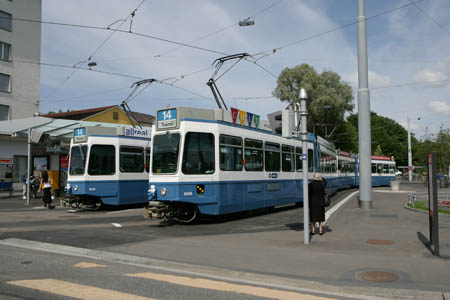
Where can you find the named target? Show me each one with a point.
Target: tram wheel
(186, 214)
(75, 204)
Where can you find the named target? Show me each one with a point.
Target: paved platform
(384, 241)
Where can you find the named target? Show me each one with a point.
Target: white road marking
(116, 224)
(122, 211)
(337, 206)
(162, 265)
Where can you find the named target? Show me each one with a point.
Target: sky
(408, 57)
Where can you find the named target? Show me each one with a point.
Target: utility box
(283, 122)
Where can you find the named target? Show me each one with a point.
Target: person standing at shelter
(24, 185)
(317, 195)
(46, 185)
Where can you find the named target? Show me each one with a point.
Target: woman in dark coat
(316, 192)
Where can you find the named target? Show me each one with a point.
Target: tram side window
(131, 159)
(385, 169)
(287, 157)
(78, 159)
(254, 155)
(272, 157)
(165, 153)
(298, 159)
(310, 160)
(380, 168)
(198, 156)
(230, 153)
(333, 164)
(374, 168)
(102, 160)
(391, 169)
(147, 159)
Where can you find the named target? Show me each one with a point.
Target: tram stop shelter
(40, 142)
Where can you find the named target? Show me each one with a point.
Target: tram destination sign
(167, 118)
(79, 135)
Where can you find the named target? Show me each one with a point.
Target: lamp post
(303, 115)
(410, 165)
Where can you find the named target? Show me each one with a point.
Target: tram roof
(58, 128)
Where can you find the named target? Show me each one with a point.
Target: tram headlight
(75, 188)
(163, 191)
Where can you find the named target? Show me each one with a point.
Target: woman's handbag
(327, 200)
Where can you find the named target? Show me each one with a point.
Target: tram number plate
(167, 118)
(273, 175)
(304, 157)
(79, 135)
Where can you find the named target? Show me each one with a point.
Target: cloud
(412, 125)
(375, 80)
(435, 78)
(439, 107)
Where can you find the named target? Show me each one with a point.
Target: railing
(443, 199)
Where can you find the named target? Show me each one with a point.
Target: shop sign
(52, 149)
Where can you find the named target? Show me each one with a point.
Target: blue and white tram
(383, 170)
(203, 163)
(109, 165)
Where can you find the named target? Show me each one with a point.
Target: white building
(20, 53)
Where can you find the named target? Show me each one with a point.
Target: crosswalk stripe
(228, 287)
(77, 291)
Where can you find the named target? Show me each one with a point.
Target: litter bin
(395, 185)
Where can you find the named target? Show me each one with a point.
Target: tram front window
(77, 160)
(198, 156)
(165, 153)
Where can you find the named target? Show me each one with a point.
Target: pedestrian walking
(317, 195)
(46, 185)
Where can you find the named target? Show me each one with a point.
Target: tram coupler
(155, 209)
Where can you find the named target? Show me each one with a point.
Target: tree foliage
(388, 136)
(329, 98)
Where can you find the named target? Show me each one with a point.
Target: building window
(5, 21)
(5, 51)
(115, 115)
(4, 112)
(5, 84)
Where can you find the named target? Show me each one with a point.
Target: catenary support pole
(365, 151)
(410, 167)
(303, 115)
(28, 166)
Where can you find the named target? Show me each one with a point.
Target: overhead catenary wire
(220, 30)
(274, 50)
(95, 51)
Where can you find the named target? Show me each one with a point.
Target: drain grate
(380, 242)
(377, 276)
(391, 216)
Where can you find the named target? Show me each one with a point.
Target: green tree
(378, 151)
(389, 135)
(329, 98)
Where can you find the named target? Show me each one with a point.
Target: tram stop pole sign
(433, 213)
